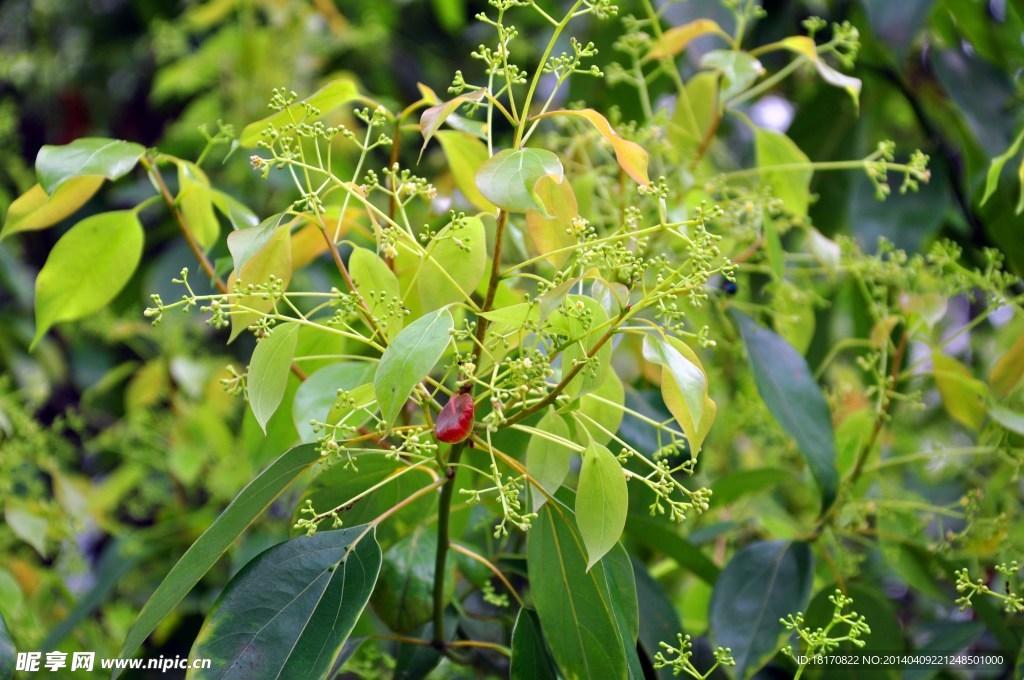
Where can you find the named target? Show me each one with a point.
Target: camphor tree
(577, 336)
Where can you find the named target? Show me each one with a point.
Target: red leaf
(455, 421)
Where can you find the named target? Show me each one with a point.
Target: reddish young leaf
(455, 421)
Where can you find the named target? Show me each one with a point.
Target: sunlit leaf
(87, 268)
(465, 154)
(962, 394)
(258, 254)
(378, 286)
(582, 339)
(88, 156)
(268, 371)
(431, 119)
(328, 98)
(454, 264)
(550, 230)
(789, 184)
(684, 387)
(195, 200)
(35, 209)
(509, 178)
(676, 39)
(805, 46)
(602, 501)
(631, 157)
(408, 360)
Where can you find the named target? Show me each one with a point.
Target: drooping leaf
(454, 264)
(378, 286)
(88, 156)
(317, 394)
(675, 40)
(531, 659)
(328, 98)
(630, 156)
(547, 461)
(739, 70)
(431, 119)
(287, 613)
(760, 585)
(408, 360)
(258, 254)
(405, 598)
(579, 612)
(791, 186)
(195, 200)
(35, 209)
(1008, 371)
(684, 387)
(962, 394)
(584, 322)
(602, 501)
(87, 268)
(8, 654)
(509, 178)
(805, 47)
(207, 549)
(550, 229)
(268, 371)
(465, 154)
(786, 384)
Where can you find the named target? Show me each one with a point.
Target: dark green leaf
(508, 179)
(577, 616)
(197, 560)
(531, 659)
(404, 600)
(88, 156)
(660, 621)
(659, 536)
(268, 371)
(760, 585)
(408, 360)
(294, 629)
(788, 388)
(87, 268)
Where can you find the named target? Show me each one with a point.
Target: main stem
(444, 512)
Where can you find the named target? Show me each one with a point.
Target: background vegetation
(119, 445)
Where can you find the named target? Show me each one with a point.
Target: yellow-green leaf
(684, 387)
(963, 396)
(87, 268)
(508, 179)
(630, 156)
(35, 209)
(676, 39)
(196, 203)
(453, 265)
(1008, 371)
(791, 181)
(269, 369)
(326, 99)
(547, 461)
(465, 154)
(553, 232)
(805, 47)
(258, 253)
(431, 119)
(378, 286)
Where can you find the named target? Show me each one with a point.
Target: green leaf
(760, 585)
(1008, 418)
(600, 412)
(602, 501)
(739, 70)
(95, 156)
(547, 462)
(195, 200)
(432, 118)
(579, 610)
(465, 154)
(963, 396)
(8, 653)
(582, 337)
(742, 483)
(377, 285)
(660, 621)
(789, 391)
(268, 371)
(326, 99)
(509, 178)
(405, 598)
(35, 209)
(408, 360)
(316, 395)
(197, 560)
(531, 659)
(994, 170)
(87, 268)
(26, 520)
(239, 214)
(791, 186)
(684, 387)
(287, 613)
(258, 254)
(453, 265)
(1008, 371)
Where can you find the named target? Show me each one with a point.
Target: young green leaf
(87, 268)
(258, 254)
(195, 200)
(239, 214)
(600, 412)
(207, 549)
(792, 187)
(684, 387)
(377, 285)
(789, 391)
(268, 371)
(431, 119)
(531, 659)
(547, 462)
(408, 360)
(287, 613)
(509, 178)
(630, 156)
(587, 622)
(454, 264)
(759, 586)
(465, 154)
(329, 97)
(93, 156)
(602, 501)
(35, 209)
(583, 321)
(553, 231)
(675, 40)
